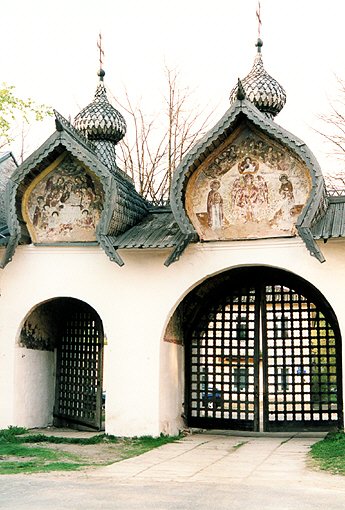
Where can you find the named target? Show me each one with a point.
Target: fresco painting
(251, 190)
(65, 205)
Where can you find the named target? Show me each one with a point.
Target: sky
(49, 53)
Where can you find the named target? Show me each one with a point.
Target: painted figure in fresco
(214, 206)
(262, 195)
(87, 219)
(283, 218)
(54, 220)
(248, 165)
(242, 194)
(249, 190)
(38, 212)
(286, 192)
(286, 188)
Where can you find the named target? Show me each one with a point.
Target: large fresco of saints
(251, 190)
(65, 205)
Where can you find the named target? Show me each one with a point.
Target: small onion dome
(100, 120)
(261, 89)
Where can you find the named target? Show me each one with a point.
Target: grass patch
(17, 467)
(329, 453)
(42, 438)
(139, 445)
(238, 445)
(18, 450)
(21, 452)
(9, 435)
(18, 458)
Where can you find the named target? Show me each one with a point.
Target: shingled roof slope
(4, 235)
(157, 230)
(8, 164)
(332, 224)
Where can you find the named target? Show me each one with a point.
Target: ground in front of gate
(202, 471)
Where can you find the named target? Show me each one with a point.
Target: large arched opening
(262, 353)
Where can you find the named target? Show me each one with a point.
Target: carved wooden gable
(63, 203)
(251, 187)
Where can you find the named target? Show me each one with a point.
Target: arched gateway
(263, 352)
(67, 336)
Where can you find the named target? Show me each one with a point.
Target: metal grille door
(224, 363)
(264, 357)
(300, 365)
(78, 397)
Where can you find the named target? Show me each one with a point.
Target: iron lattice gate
(78, 393)
(264, 357)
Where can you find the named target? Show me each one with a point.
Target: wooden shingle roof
(332, 224)
(157, 230)
(4, 235)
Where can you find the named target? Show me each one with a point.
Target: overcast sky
(49, 52)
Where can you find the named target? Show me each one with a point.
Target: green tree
(14, 110)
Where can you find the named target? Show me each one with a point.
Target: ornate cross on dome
(101, 51)
(258, 15)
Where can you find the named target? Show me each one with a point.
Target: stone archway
(263, 352)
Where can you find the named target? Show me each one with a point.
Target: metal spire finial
(259, 44)
(101, 73)
(258, 15)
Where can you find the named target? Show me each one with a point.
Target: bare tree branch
(334, 123)
(151, 158)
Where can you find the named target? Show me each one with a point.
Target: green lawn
(329, 453)
(21, 452)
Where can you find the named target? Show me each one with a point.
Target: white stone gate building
(224, 309)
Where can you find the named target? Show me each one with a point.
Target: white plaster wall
(6, 374)
(8, 332)
(34, 385)
(120, 296)
(135, 302)
(171, 389)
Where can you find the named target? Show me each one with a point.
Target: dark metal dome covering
(100, 120)
(261, 89)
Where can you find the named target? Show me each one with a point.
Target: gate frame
(62, 420)
(195, 303)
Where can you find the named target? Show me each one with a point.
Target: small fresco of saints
(65, 207)
(253, 189)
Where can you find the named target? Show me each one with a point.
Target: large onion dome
(101, 123)
(261, 89)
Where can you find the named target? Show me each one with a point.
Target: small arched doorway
(263, 352)
(73, 332)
